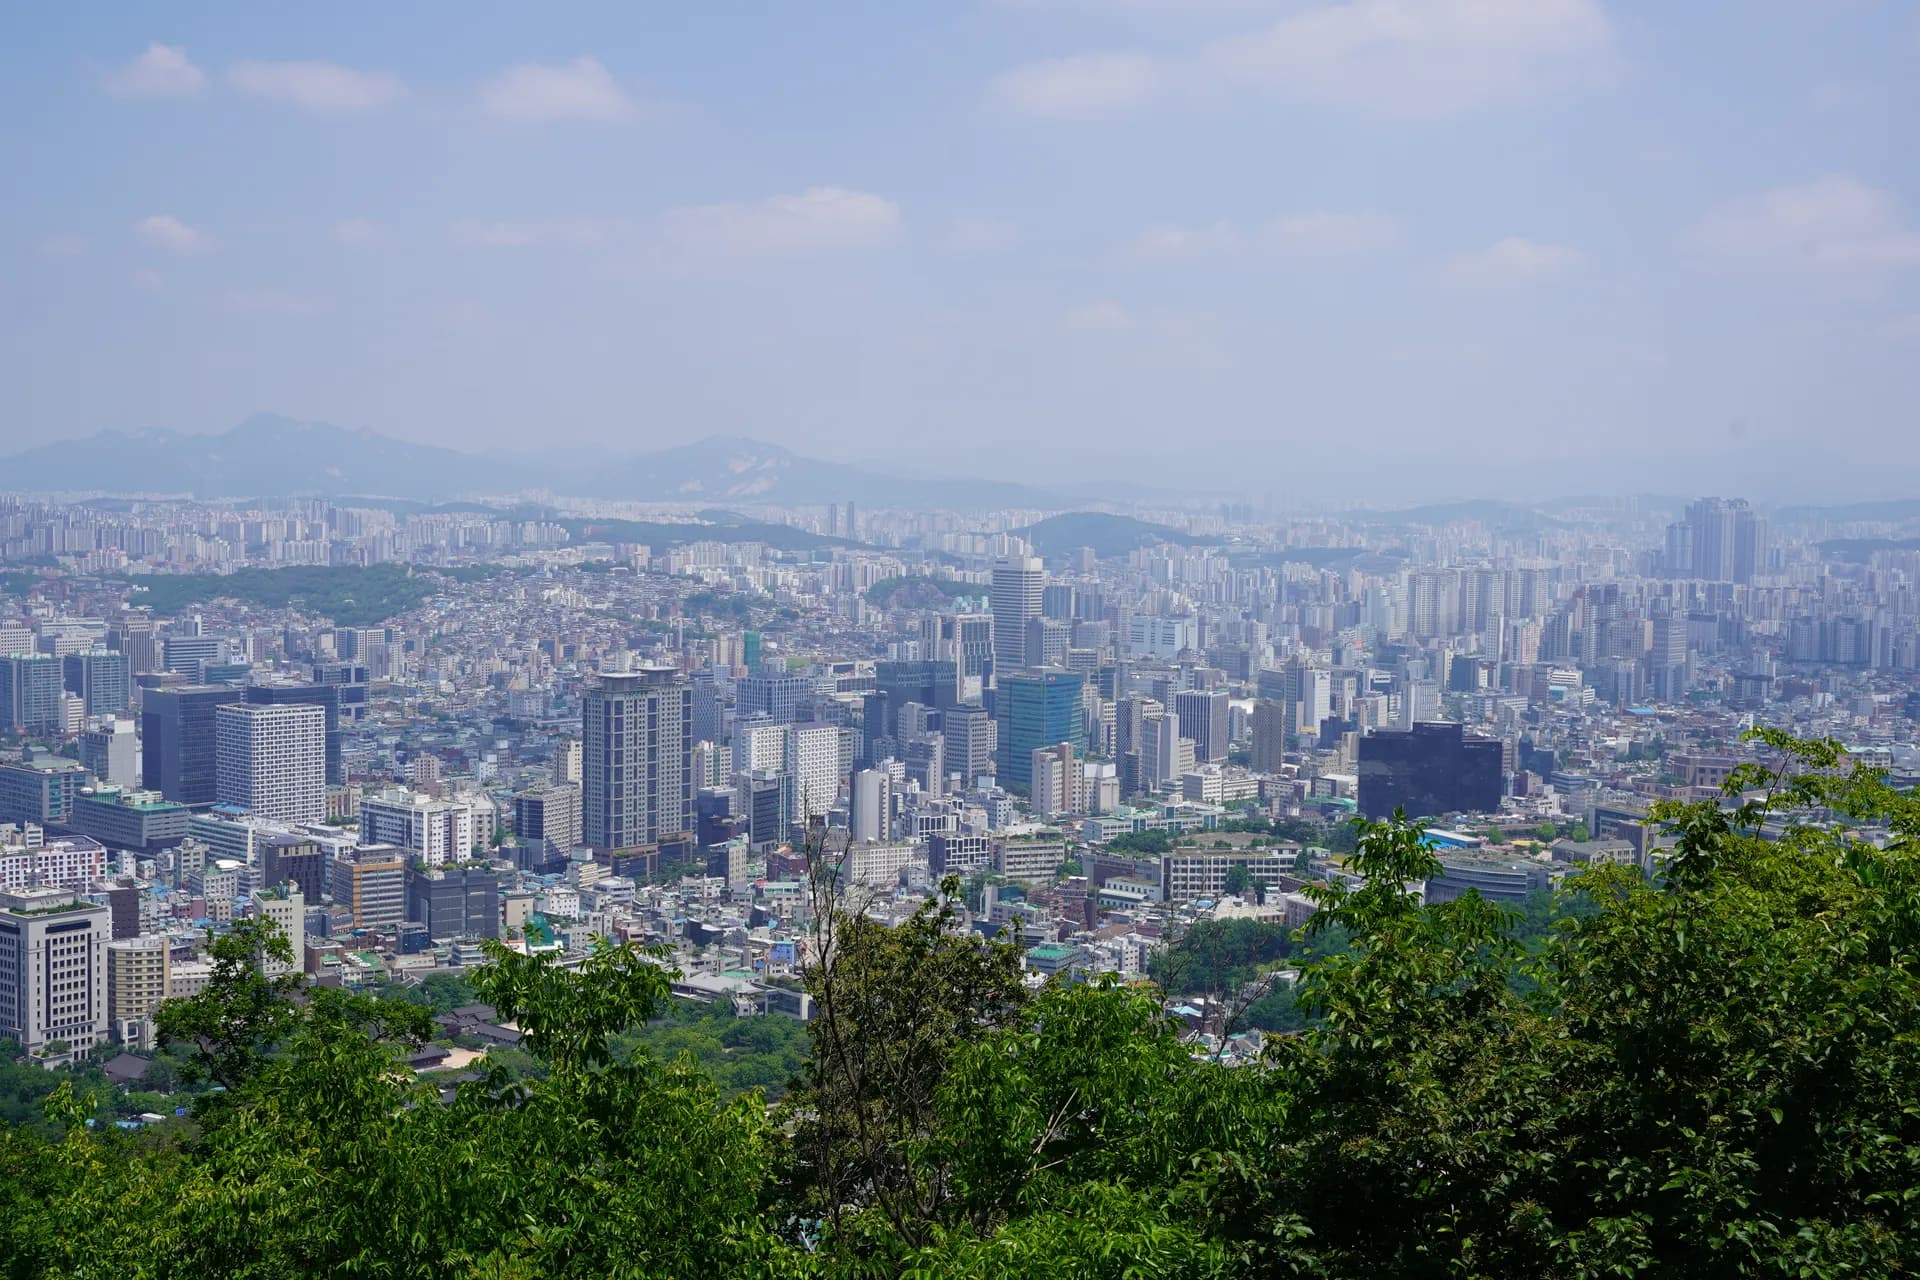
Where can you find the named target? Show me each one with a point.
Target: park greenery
(1710, 1071)
(350, 595)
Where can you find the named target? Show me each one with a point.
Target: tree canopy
(1707, 1068)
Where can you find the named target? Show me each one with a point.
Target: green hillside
(1109, 535)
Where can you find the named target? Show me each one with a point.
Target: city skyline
(1116, 240)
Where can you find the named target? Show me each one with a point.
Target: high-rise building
(136, 983)
(298, 860)
(272, 760)
(780, 697)
(1719, 541)
(931, 683)
(871, 805)
(549, 814)
(132, 634)
(1047, 642)
(567, 762)
(969, 732)
(1204, 715)
(1019, 586)
(431, 831)
(191, 655)
(99, 678)
(1667, 661)
(30, 689)
(637, 759)
(286, 908)
(1430, 769)
(53, 969)
(813, 760)
(324, 696)
(1271, 736)
(370, 882)
(112, 753)
(455, 903)
(178, 754)
(1057, 781)
(1037, 709)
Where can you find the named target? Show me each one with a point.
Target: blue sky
(1379, 248)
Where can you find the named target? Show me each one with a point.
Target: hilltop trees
(1712, 1071)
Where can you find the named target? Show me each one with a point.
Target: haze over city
(1436, 250)
(1077, 639)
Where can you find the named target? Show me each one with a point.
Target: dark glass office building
(1430, 769)
(177, 750)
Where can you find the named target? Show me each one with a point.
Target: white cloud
(1307, 235)
(63, 244)
(1097, 317)
(1422, 57)
(271, 302)
(571, 233)
(579, 90)
(1833, 223)
(1164, 243)
(162, 71)
(1324, 235)
(1514, 261)
(819, 218)
(164, 231)
(979, 236)
(322, 88)
(1085, 86)
(357, 231)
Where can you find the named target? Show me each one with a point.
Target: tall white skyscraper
(1019, 586)
(637, 754)
(271, 760)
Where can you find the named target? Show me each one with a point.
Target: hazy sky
(1386, 247)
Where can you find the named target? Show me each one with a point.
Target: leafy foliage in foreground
(1713, 1072)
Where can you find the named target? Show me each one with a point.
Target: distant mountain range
(270, 455)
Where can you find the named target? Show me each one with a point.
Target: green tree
(1239, 879)
(892, 1005)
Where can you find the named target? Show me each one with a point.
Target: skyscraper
(931, 684)
(1037, 709)
(1019, 585)
(637, 749)
(970, 742)
(30, 689)
(178, 754)
(98, 677)
(272, 760)
(1204, 718)
(1430, 769)
(324, 696)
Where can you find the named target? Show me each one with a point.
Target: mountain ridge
(273, 454)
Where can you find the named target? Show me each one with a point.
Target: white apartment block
(53, 969)
(271, 760)
(435, 832)
(28, 859)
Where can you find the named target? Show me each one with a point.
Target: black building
(294, 860)
(177, 751)
(324, 696)
(934, 684)
(1431, 769)
(455, 903)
